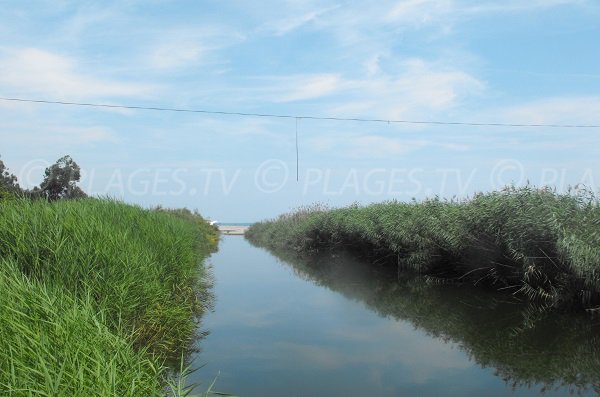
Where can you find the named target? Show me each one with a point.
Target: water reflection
(524, 345)
(353, 331)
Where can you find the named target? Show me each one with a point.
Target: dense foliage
(532, 242)
(96, 296)
(8, 183)
(60, 182)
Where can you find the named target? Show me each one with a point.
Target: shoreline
(233, 230)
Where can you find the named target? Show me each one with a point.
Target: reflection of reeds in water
(536, 243)
(97, 296)
(527, 345)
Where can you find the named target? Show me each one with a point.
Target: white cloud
(309, 87)
(248, 128)
(419, 12)
(85, 18)
(417, 88)
(87, 135)
(372, 65)
(458, 147)
(425, 85)
(378, 146)
(558, 110)
(59, 135)
(32, 71)
(186, 47)
(367, 28)
(290, 24)
(175, 54)
(424, 12)
(518, 6)
(367, 146)
(373, 145)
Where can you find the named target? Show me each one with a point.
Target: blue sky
(509, 61)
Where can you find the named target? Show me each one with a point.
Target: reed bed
(97, 295)
(531, 242)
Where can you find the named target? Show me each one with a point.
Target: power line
(288, 116)
(297, 157)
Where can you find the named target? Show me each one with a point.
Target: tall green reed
(130, 275)
(532, 242)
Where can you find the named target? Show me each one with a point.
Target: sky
(511, 61)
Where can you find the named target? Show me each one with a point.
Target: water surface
(295, 327)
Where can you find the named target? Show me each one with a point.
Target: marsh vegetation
(534, 243)
(98, 297)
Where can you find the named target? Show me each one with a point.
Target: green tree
(60, 181)
(8, 183)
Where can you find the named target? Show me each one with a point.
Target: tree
(8, 182)
(60, 180)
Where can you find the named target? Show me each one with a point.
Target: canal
(333, 326)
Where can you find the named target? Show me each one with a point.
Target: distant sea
(235, 223)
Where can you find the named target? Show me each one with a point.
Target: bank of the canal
(533, 242)
(282, 328)
(98, 298)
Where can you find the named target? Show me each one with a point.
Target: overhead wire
(297, 117)
(297, 156)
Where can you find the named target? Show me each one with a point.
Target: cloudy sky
(511, 61)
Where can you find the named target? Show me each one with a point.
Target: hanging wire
(297, 157)
(308, 117)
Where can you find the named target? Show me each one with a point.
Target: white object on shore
(213, 223)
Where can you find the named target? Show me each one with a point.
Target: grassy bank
(531, 242)
(97, 295)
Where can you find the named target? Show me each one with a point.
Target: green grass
(97, 296)
(531, 242)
